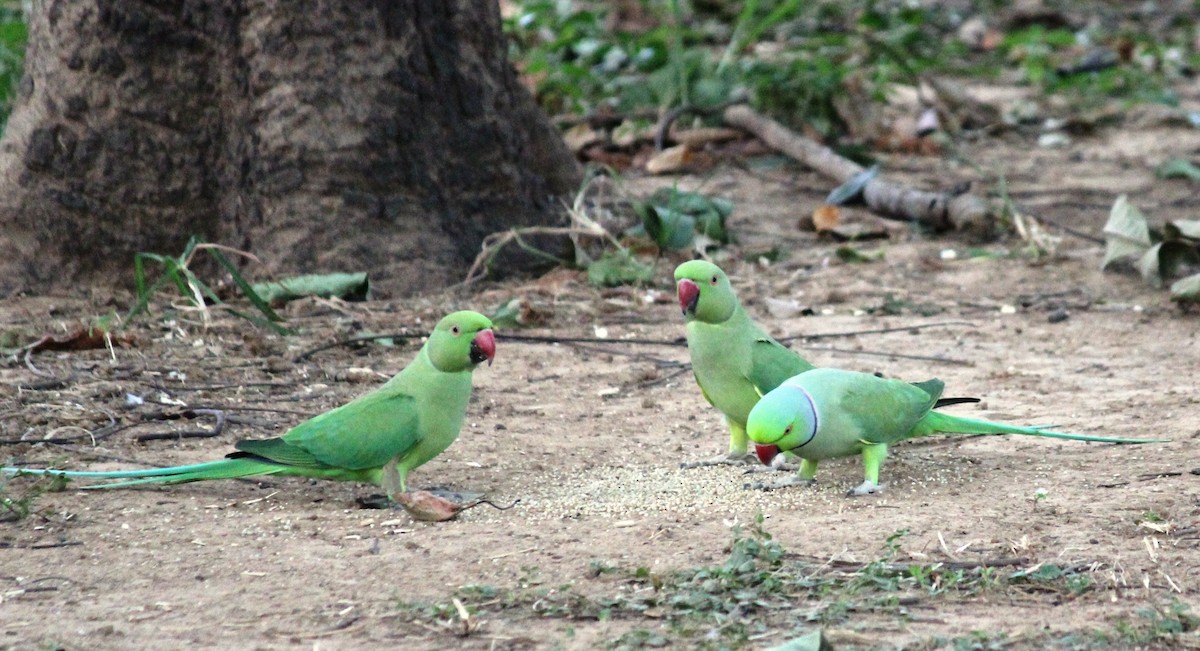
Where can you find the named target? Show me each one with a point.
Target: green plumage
(378, 438)
(734, 361)
(828, 413)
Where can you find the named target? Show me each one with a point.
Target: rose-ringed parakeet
(377, 438)
(827, 413)
(734, 361)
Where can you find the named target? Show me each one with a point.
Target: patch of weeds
(981, 641)
(1139, 66)
(13, 35)
(640, 638)
(789, 58)
(1159, 624)
(598, 567)
(758, 589)
(20, 502)
(176, 272)
(1152, 516)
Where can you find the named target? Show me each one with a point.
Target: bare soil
(589, 439)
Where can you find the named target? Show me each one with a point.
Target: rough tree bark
(320, 135)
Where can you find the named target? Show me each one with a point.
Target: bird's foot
(375, 501)
(794, 480)
(865, 488)
(779, 463)
(730, 459)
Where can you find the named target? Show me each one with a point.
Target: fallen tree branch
(937, 210)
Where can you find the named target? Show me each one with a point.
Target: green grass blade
(246, 288)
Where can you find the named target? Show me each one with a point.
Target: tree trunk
(324, 135)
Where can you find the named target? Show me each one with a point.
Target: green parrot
(828, 413)
(377, 438)
(734, 361)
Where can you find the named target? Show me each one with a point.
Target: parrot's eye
(713, 281)
(454, 330)
(787, 430)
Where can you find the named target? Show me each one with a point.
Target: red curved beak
(689, 295)
(766, 453)
(483, 346)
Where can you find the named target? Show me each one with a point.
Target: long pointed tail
(938, 423)
(223, 469)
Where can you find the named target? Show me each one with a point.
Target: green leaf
(851, 255)
(1186, 290)
(507, 315)
(1126, 234)
(673, 230)
(1164, 260)
(1178, 168)
(1182, 228)
(673, 218)
(814, 641)
(852, 190)
(618, 268)
(247, 290)
(350, 286)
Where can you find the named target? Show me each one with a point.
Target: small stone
(1058, 316)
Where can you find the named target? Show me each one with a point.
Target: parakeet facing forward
(377, 438)
(828, 413)
(734, 361)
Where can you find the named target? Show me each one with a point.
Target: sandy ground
(589, 440)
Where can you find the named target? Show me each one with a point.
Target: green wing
(361, 434)
(772, 363)
(886, 411)
(279, 451)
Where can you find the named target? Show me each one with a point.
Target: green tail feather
(938, 423)
(223, 469)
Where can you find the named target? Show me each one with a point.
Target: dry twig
(937, 210)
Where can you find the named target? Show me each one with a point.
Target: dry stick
(678, 342)
(904, 567)
(875, 353)
(44, 385)
(548, 339)
(93, 436)
(353, 340)
(220, 387)
(934, 209)
(878, 331)
(217, 429)
(69, 543)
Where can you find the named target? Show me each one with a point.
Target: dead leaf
(1186, 290)
(700, 136)
(784, 308)
(825, 218)
(672, 159)
(1126, 234)
(598, 153)
(81, 339)
(580, 136)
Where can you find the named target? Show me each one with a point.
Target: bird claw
(865, 488)
(723, 460)
(786, 483)
(777, 464)
(375, 501)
